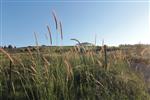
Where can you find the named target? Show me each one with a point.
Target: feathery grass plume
(33, 69)
(76, 41)
(75, 48)
(61, 30)
(30, 53)
(69, 69)
(7, 54)
(46, 61)
(50, 34)
(78, 48)
(143, 51)
(18, 60)
(55, 18)
(99, 62)
(32, 58)
(37, 45)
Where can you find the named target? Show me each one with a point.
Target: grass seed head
(7, 54)
(55, 19)
(61, 30)
(50, 34)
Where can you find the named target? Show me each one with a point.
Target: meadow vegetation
(72, 73)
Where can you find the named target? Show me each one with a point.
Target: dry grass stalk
(61, 30)
(33, 69)
(100, 63)
(37, 45)
(46, 61)
(69, 69)
(71, 50)
(50, 34)
(32, 58)
(76, 49)
(7, 54)
(55, 18)
(76, 41)
(143, 51)
(30, 53)
(17, 59)
(79, 46)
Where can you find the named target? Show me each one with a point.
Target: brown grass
(69, 69)
(7, 54)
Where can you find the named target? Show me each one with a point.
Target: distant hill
(85, 44)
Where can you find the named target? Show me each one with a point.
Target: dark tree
(10, 46)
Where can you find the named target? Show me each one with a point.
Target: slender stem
(105, 54)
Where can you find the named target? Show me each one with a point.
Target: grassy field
(74, 73)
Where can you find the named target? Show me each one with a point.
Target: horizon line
(75, 45)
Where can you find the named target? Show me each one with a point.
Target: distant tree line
(8, 47)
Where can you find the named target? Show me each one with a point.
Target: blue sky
(117, 22)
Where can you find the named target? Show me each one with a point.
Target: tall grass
(70, 75)
(73, 76)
